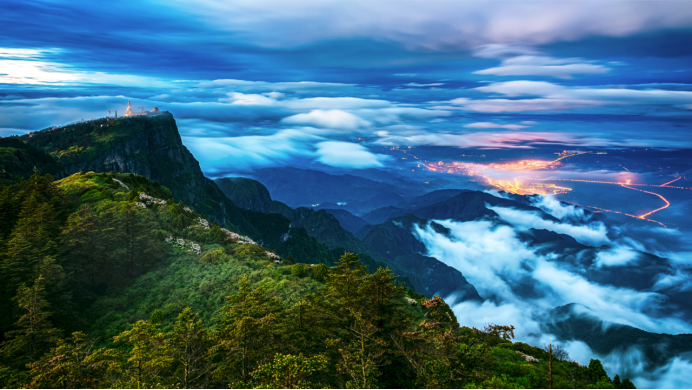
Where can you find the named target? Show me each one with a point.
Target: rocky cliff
(151, 147)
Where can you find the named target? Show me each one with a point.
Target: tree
(320, 272)
(290, 372)
(358, 314)
(247, 335)
(148, 360)
(35, 333)
(298, 270)
(70, 365)
(189, 345)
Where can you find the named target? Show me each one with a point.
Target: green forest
(107, 282)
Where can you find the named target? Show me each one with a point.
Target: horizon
(256, 88)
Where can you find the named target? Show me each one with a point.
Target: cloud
(616, 257)
(515, 278)
(534, 65)
(594, 234)
(232, 154)
(347, 155)
(333, 119)
(424, 85)
(491, 125)
(545, 96)
(557, 209)
(457, 25)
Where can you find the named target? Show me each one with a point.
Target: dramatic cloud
(346, 154)
(527, 65)
(457, 24)
(555, 97)
(335, 119)
(558, 209)
(594, 234)
(501, 267)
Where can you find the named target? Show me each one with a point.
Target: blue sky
(262, 83)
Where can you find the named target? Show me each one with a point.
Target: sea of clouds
(520, 285)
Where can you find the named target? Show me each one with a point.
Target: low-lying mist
(522, 282)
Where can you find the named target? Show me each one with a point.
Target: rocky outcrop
(155, 151)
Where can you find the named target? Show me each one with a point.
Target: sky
(259, 83)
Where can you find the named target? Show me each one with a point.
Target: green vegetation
(19, 160)
(109, 283)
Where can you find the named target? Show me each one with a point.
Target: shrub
(298, 270)
(320, 272)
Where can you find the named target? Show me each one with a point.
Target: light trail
(676, 179)
(643, 216)
(514, 186)
(620, 212)
(618, 183)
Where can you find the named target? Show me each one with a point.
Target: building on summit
(129, 112)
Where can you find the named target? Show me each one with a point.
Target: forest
(107, 282)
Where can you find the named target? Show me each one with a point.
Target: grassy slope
(181, 279)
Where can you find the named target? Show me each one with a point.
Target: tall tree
(148, 361)
(189, 344)
(248, 333)
(34, 333)
(71, 365)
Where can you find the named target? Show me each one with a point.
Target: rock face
(151, 147)
(155, 151)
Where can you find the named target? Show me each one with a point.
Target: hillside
(152, 147)
(426, 275)
(19, 160)
(154, 295)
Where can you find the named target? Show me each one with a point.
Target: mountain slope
(19, 160)
(574, 322)
(426, 275)
(347, 220)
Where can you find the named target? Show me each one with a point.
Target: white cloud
(347, 154)
(502, 267)
(333, 119)
(594, 234)
(545, 96)
(533, 65)
(557, 209)
(250, 99)
(616, 257)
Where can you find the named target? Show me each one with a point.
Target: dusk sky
(265, 83)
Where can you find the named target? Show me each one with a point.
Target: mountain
(458, 204)
(121, 288)
(110, 279)
(305, 187)
(575, 322)
(152, 147)
(437, 278)
(19, 160)
(394, 240)
(347, 220)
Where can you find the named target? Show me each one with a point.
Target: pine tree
(34, 333)
(189, 344)
(247, 334)
(149, 361)
(70, 365)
